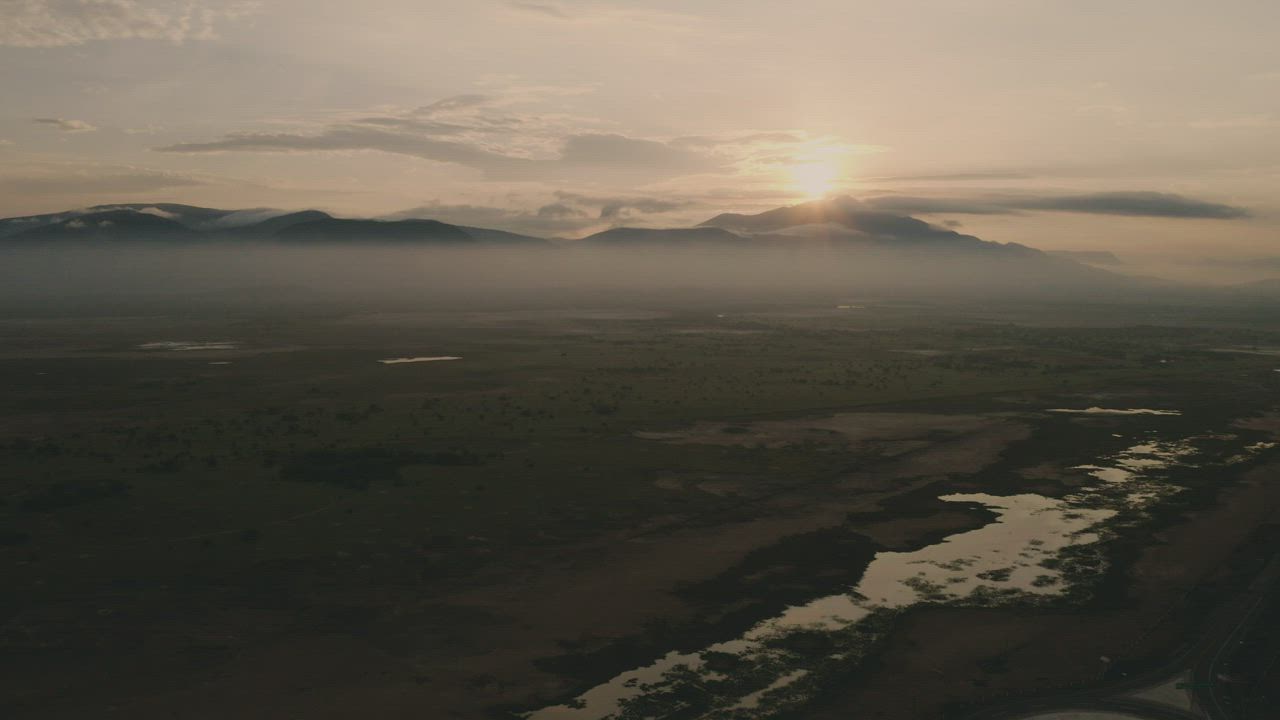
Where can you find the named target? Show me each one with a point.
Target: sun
(815, 179)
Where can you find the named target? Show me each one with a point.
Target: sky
(1135, 126)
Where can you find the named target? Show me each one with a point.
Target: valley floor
(251, 515)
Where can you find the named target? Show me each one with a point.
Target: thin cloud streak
(73, 126)
(501, 141)
(1133, 204)
(57, 23)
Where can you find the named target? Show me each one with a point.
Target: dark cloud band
(1133, 204)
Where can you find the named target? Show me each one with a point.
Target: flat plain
(251, 514)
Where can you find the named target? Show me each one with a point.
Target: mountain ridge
(835, 224)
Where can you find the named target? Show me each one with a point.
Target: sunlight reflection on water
(1011, 559)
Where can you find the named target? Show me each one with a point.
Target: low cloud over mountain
(1136, 204)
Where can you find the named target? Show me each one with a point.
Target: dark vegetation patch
(357, 468)
(62, 495)
(795, 570)
(924, 502)
(1252, 663)
(350, 619)
(994, 664)
(548, 411)
(12, 537)
(1099, 576)
(1235, 577)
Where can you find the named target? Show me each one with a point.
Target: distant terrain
(803, 463)
(242, 509)
(841, 222)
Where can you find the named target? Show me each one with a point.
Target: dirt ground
(882, 431)
(249, 633)
(939, 657)
(583, 596)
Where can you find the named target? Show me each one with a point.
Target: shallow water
(184, 345)
(1084, 715)
(1015, 558)
(1114, 411)
(1248, 350)
(1002, 556)
(1126, 465)
(399, 361)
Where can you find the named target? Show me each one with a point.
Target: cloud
(618, 151)
(623, 209)
(552, 220)
(560, 210)
(159, 213)
(525, 135)
(1146, 204)
(358, 137)
(538, 8)
(105, 182)
(501, 139)
(928, 205)
(54, 23)
(703, 141)
(454, 103)
(471, 130)
(953, 177)
(451, 144)
(1134, 204)
(65, 125)
(840, 218)
(605, 13)
(1236, 123)
(619, 208)
(570, 214)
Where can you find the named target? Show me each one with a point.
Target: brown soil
(848, 430)
(940, 656)
(537, 605)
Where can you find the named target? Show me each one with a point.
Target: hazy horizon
(1147, 130)
(639, 359)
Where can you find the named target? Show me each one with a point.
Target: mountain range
(837, 221)
(861, 245)
(834, 223)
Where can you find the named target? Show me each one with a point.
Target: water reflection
(187, 345)
(1114, 411)
(1035, 547)
(398, 361)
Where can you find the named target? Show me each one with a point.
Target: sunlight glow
(815, 179)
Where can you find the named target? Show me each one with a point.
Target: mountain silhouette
(634, 237)
(272, 225)
(110, 225)
(398, 231)
(844, 219)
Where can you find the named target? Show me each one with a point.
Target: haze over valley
(618, 360)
